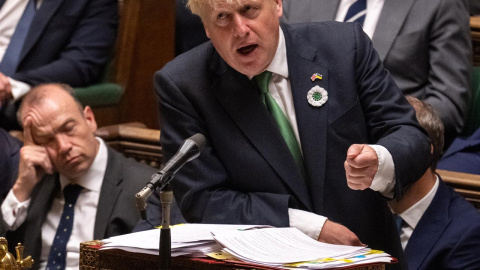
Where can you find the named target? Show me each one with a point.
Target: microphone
(189, 150)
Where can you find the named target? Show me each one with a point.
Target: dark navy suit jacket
(463, 155)
(246, 174)
(9, 158)
(447, 236)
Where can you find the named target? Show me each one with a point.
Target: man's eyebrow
(65, 123)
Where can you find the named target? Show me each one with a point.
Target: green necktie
(286, 130)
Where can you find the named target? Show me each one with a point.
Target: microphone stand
(165, 245)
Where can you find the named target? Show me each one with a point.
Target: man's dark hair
(431, 122)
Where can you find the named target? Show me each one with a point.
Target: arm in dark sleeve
(86, 51)
(450, 57)
(391, 120)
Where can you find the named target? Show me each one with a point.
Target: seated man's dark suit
(68, 42)
(463, 155)
(9, 158)
(246, 174)
(447, 236)
(116, 212)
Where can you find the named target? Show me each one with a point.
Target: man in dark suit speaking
(71, 187)
(317, 142)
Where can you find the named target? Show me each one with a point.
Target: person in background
(9, 158)
(316, 142)
(474, 7)
(71, 186)
(463, 155)
(438, 228)
(52, 41)
(189, 31)
(424, 44)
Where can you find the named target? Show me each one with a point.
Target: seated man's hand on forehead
(34, 163)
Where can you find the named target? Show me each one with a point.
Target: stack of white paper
(193, 240)
(286, 248)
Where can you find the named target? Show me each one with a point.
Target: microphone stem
(165, 245)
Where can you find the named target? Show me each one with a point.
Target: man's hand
(334, 233)
(34, 164)
(5, 89)
(361, 166)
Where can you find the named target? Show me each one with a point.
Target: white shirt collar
(413, 214)
(279, 65)
(92, 180)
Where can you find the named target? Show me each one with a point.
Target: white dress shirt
(374, 8)
(280, 89)
(412, 215)
(10, 14)
(14, 212)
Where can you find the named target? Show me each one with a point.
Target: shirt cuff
(309, 223)
(19, 89)
(13, 211)
(384, 180)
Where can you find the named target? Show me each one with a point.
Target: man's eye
(247, 8)
(249, 11)
(223, 19)
(222, 16)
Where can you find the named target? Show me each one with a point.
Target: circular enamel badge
(317, 96)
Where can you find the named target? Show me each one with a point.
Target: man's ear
(90, 118)
(206, 31)
(279, 8)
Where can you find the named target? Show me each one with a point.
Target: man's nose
(63, 144)
(241, 28)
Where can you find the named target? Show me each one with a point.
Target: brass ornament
(8, 262)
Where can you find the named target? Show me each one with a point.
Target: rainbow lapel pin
(316, 76)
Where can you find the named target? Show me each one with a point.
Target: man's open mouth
(247, 49)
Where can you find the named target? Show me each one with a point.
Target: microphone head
(199, 140)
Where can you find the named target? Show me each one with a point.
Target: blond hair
(200, 7)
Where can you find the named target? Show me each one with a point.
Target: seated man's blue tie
(357, 12)
(399, 222)
(58, 252)
(286, 130)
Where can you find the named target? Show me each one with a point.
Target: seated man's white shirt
(280, 89)
(14, 212)
(412, 215)
(374, 8)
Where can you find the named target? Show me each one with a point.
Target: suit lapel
(42, 18)
(41, 202)
(108, 194)
(460, 143)
(1, 3)
(429, 229)
(303, 62)
(241, 100)
(392, 17)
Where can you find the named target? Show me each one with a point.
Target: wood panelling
(475, 27)
(144, 45)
